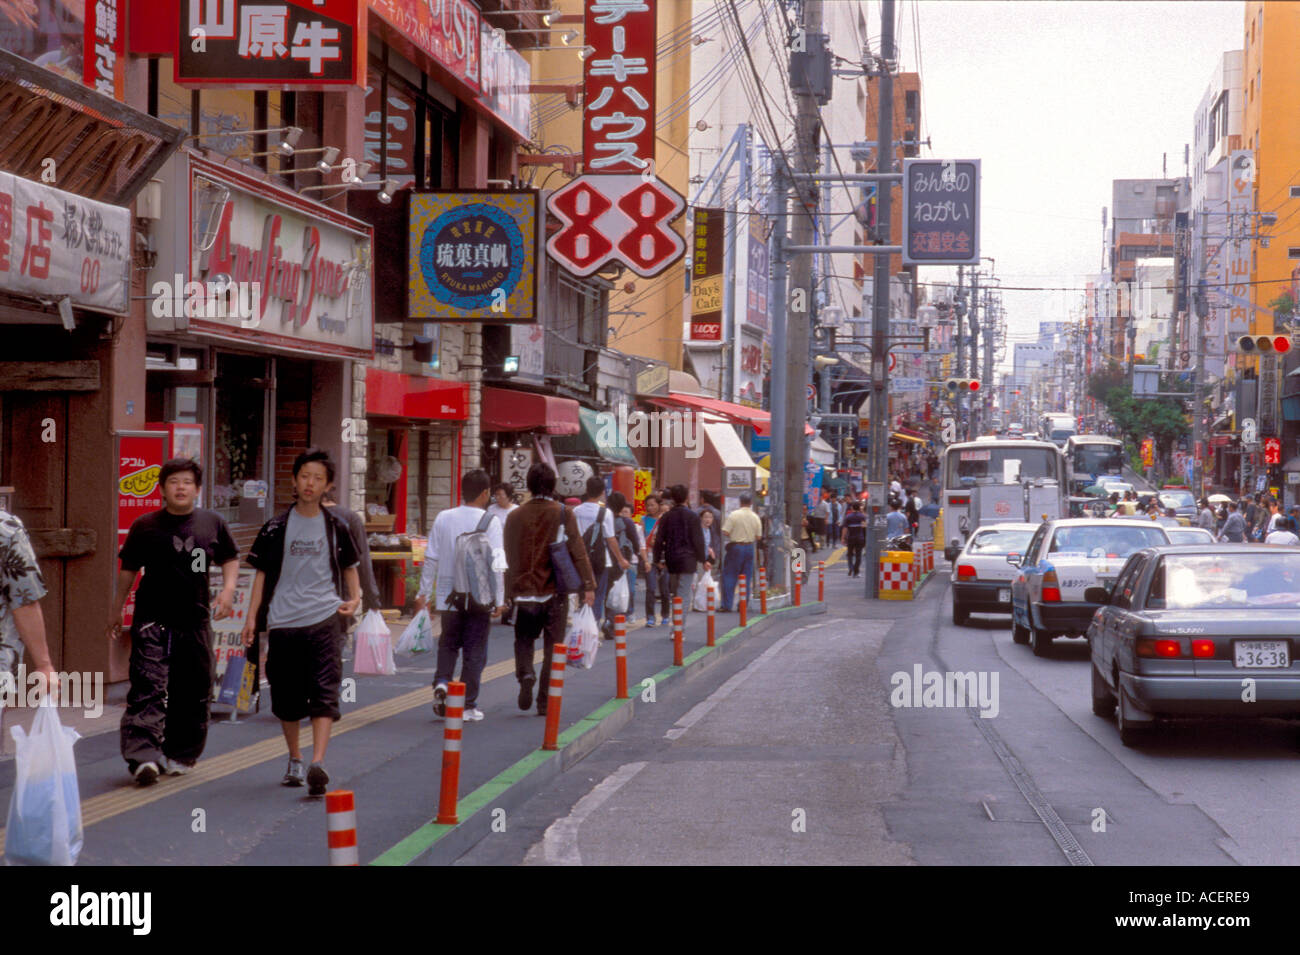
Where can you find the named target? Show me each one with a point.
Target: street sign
(1272, 451)
(1249, 431)
(893, 361)
(616, 219)
(941, 211)
(906, 385)
(812, 394)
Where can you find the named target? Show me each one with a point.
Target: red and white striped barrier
(762, 590)
(449, 790)
(821, 581)
(555, 696)
(709, 632)
(341, 823)
(742, 595)
(677, 631)
(620, 657)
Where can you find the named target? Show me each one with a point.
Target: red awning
(414, 396)
(506, 410)
(754, 418)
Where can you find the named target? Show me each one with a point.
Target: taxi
(981, 575)
(1064, 558)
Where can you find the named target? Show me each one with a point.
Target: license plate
(1004, 596)
(1257, 654)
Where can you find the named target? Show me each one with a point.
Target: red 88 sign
(620, 218)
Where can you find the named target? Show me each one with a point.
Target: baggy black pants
(171, 689)
(532, 620)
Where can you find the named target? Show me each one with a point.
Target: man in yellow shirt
(741, 530)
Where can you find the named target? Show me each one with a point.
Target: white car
(981, 574)
(1063, 560)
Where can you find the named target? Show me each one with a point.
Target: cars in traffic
(981, 573)
(1205, 631)
(1189, 535)
(1182, 502)
(1064, 558)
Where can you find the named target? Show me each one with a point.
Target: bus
(1005, 460)
(1090, 457)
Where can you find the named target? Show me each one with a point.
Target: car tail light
(1051, 588)
(956, 501)
(1203, 648)
(966, 571)
(1167, 649)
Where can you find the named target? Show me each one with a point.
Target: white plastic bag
(583, 638)
(374, 647)
(418, 635)
(700, 601)
(618, 598)
(44, 826)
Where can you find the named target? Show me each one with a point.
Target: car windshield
(1206, 581)
(966, 465)
(1177, 499)
(1189, 535)
(1097, 459)
(999, 542)
(1103, 541)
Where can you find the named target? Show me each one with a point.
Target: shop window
(239, 440)
(292, 424)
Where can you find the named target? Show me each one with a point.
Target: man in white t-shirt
(464, 630)
(593, 502)
(502, 504)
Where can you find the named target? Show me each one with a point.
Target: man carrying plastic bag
(702, 590)
(44, 825)
(374, 647)
(583, 638)
(418, 635)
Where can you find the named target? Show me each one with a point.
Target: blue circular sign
(472, 257)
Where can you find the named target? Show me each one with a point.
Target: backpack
(473, 586)
(595, 543)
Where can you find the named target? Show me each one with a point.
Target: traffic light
(956, 386)
(1263, 344)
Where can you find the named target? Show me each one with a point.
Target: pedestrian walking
(370, 599)
(465, 624)
(1283, 533)
(679, 545)
(855, 537)
(640, 561)
(22, 624)
(165, 725)
(630, 545)
(530, 578)
(656, 579)
(895, 521)
(741, 530)
(1234, 528)
(596, 525)
(1205, 519)
(307, 580)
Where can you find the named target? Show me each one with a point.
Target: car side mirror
(1097, 595)
(1013, 559)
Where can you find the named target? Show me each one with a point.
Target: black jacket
(679, 541)
(361, 543)
(267, 555)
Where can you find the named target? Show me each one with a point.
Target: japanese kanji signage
(757, 280)
(140, 457)
(55, 244)
(1241, 191)
(290, 44)
(941, 211)
(473, 256)
(104, 47)
(1272, 451)
(708, 233)
(447, 31)
(618, 118)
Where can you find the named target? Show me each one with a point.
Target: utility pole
(971, 431)
(959, 310)
(986, 382)
(795, 354)
(777, 488)
(880, 287)
(1198, 373)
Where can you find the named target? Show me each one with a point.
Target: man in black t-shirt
(854, 537)
(165, 725)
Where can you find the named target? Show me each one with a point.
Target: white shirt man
(437, 575)
(501, 504)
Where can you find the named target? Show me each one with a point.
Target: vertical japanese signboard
(104, 47)
(941, 211)
(140, 456)
(618, 210)
(1241, 188)
(757, 279)
(706, 275)
(292, 44)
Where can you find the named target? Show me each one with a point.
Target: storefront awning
(910, 439)
(821, 452)
(593, 440)
(1292, 465)
(754, 418)
(507, 410)
(412, 396)
(727, 444)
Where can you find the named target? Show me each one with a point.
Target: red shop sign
(140, 456)
(618, 116)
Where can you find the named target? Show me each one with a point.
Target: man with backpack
(679, 546)
(532, 581)
(464, 566)
(596, 525)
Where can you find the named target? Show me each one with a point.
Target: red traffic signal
(974, 386)
(1281, 344)
(1264, 344)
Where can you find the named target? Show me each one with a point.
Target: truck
(1059, 428)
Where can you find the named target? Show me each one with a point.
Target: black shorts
(304, 666)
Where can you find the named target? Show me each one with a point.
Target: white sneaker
(472, 714)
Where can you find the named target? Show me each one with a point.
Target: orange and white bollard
(709, 632)
(451, 734)
(620, 657)
(821, 580)
(341, 821)
(798, 588)
(555, 696)
(742, 599)
(762, 590)
(677, 631)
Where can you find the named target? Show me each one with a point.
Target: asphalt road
(794, 752)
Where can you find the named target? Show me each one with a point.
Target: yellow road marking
(105, 806)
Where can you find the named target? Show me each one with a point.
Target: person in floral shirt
(21, 588)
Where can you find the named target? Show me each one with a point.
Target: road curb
(443, 844)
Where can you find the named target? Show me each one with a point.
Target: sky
(1057, 99)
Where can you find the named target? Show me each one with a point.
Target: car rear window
(1106, 541)
(999, 542)
(1210, 581)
